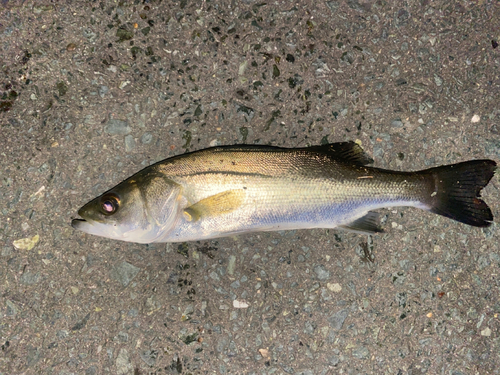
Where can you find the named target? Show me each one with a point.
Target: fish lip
(85, 226)
(75, 223)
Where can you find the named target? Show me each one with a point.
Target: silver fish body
(225, 191)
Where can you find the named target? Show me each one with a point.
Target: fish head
(140, 209)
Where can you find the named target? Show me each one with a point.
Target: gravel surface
(93, 91)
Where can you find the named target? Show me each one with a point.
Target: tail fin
(457, 189)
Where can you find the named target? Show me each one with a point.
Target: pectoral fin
(367, 224)
(215, 205)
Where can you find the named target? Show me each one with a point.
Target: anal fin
(367, 224)
(215, 205)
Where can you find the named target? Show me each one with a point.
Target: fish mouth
(77, 223)
(80, 223)
(86, 226)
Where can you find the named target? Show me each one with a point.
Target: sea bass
(229, 190)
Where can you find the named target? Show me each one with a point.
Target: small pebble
(242, 68)
(438, 80)
(321, 272)
(397, 123)
(486, 332)
(475, 118)
(335, 287)
(231, 264)
(103, 90)
(129, 143)
(149, 357)
(118, 127)
(26, 243)
(12, 308)
(123, 84)
(240, 304)
(337, 320)
(124, 273)
(146, 138)
(123, 365)
(361, 352)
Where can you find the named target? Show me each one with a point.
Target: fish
(230, 190)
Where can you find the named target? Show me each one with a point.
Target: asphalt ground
(91, 92)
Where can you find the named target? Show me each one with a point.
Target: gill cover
(139, 209)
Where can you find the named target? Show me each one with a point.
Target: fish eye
(110, 204)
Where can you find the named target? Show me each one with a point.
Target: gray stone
(129, 143)
(401, 299)
(482, 262)
(103, 90)
(337, 320)
(62, 334)
(12, 309)
(122, 336)
(117, 127)
(333, 5)
(149, 356)
(124, 273)
(331, 336)
(309, 327)
(355, 4)
(231, 264)
(305, 372)
(321, 272)
(33, 356)
(221, 344)
(361, 352)
(333, 360)
(235, 284)
(438, 80)
(123, 365)
(146, 138)
(29, 278)
(397, 123)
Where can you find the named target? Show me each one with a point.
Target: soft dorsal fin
(347, 152)
(218, 204)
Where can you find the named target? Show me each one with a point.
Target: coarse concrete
(93, 91)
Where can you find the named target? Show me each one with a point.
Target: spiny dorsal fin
(215, 205)
(347, 152)
(367, 224)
